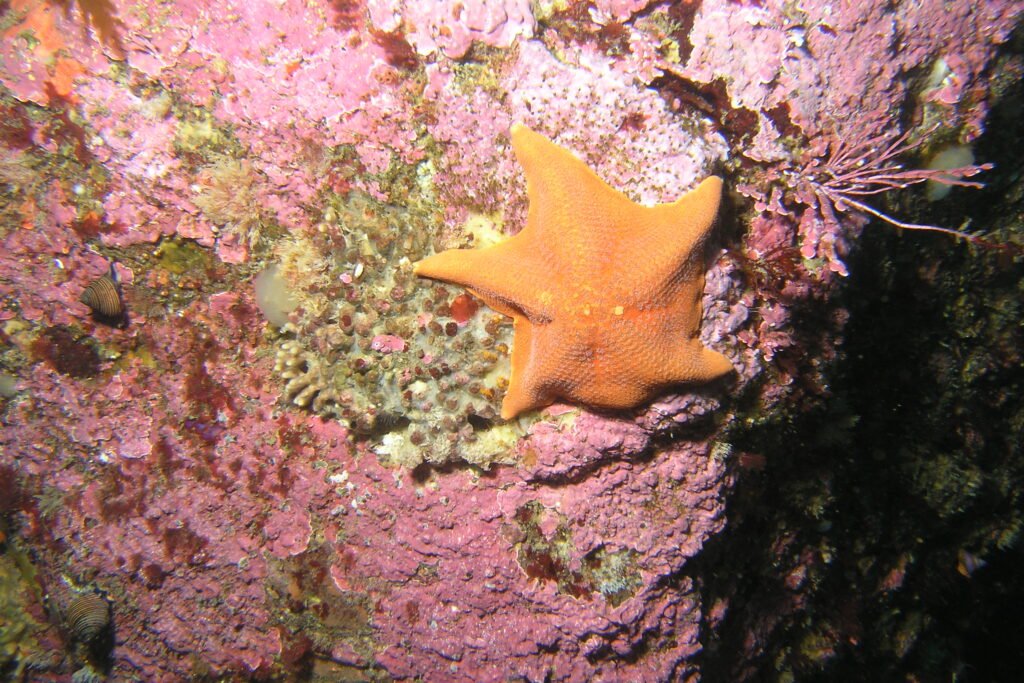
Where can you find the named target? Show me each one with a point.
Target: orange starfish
(604, 293)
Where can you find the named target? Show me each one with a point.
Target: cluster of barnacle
(381, 350)
(307, 382)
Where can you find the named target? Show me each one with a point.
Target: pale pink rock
(618, 10)
(387, 343)
(288, 532)
(232, 250)
(451, 26)
(656, 161)
(841, 61)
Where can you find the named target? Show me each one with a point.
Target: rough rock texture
(163, 460)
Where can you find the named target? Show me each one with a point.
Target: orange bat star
(604, 293)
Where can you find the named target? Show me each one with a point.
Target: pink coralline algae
(802, 76)
(452, 27)
(828, 62)
(198, 525)
(387, 343)
(237, 535)
(580, 589)
(658, 154)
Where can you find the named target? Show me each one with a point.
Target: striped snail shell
(102, 297)
(87, 616)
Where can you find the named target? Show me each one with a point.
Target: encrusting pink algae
(333, 496)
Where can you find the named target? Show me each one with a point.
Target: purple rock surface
(237, 534)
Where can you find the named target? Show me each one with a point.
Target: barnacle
(307, 380)
(431, 397)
